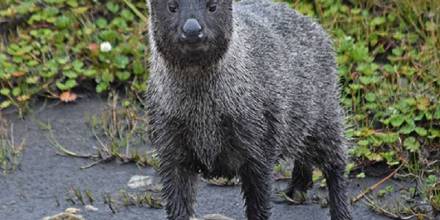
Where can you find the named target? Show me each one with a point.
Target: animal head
(191, 32)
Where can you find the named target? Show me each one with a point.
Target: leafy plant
(52, 46)
(388, 55)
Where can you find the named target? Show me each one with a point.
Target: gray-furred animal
(233, 87)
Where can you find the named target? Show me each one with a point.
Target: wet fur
(269, 89)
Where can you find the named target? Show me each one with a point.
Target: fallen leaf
(68, 96)
(23, 98)
(94, 48)
(18, 74)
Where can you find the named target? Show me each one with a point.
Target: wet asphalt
(41, 184)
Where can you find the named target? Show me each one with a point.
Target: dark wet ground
(40, 185)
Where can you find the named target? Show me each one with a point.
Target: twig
(386, 212)
(284, 196)
(373, 187)
(92, 164)
(282, 178)
(61, 150)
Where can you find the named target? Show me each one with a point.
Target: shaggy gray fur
(266, 89)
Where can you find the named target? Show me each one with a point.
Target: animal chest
(210, 132)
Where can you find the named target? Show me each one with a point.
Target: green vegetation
(53, 46)
(388, 54)
(119, 131)
(115, 201)
(10, 151)
(389, 63)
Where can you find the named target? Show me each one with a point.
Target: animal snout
(192, 31)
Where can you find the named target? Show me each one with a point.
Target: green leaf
(90, 73)
(397, 120)
(367, 69)
(388, 138)
(121, 61)
(390, 158)
(111, 6)
(48, 74)
(138, 68)
(77, 66)
(63, 60)
(69, 84)
(407, 129)
(360, 175)
(70, 74)
(437, 112)
(434, 133)
(363, 143)
(101, 23)
(421, 131)
(107, 76)
(398, 51)
(101, 87)
(5, 91)
(120, 23)
(377, 21)
(72, 3)
(16, 91)
(32, 79)
(63, 22)
(431, 180)
(123, 76)
(109, 35)
(411, 144)
(127, 15)
(370, 97)
(359, 52)
(361, 150)
(5, 104)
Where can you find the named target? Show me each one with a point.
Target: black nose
(192, 31)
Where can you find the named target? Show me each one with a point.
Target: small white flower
(105, 47)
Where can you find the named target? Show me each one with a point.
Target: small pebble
(216, 217)
(136, 182)
(73, 210)
(91, 208)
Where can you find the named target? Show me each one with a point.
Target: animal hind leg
(332, 163)
(301, 181)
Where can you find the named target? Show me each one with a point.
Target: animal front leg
(179, 191)
(256, 187)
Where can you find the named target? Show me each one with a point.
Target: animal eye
(212, 6)
(172, 7)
